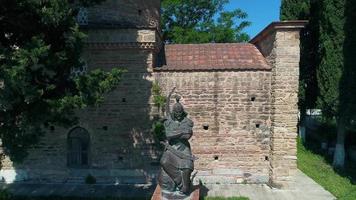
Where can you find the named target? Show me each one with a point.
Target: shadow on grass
(319, 168)
(348, 172)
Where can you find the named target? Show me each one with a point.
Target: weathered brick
(251, 115)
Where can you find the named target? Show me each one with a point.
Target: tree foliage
(331, 67)
(295, 9)
(349, 50)
(305, 10)
(40, 46)
(202, 21)
(336, 72)
(330, 39)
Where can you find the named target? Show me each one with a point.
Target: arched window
(82, 17)
(78, 147)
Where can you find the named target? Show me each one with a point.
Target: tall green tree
(295, 9)
(40, 46)
(202, 21)
(305, 10)
(349, 75)
(331, 69)
(328, 53)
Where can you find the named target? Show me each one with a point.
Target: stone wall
(122, 148)
(234, 107)
(126, 13)
(245, 120)
(279, 43)
(231, 114)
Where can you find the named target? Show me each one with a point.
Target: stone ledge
(288, 25)
(193, 196)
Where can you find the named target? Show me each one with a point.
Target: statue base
(163, 195)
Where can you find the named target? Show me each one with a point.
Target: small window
(82, 17)
(78, 148)
(206, 127)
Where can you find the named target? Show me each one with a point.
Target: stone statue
(177, 162)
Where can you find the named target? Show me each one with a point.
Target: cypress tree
(305, 10)
(331, 76)
(327, 66)
(350, 59)
(294, 9)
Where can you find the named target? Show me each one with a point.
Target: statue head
(178, 112)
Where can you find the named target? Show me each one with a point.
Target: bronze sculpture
(177, 162)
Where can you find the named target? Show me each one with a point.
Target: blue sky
(260, 13)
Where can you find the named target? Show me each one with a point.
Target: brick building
(242, 98)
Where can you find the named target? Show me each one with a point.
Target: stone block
(236, 172)
(13, 175)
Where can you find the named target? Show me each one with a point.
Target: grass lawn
(317, 168)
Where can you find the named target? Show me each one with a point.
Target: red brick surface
(181, 57)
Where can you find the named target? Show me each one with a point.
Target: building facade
(242, 98)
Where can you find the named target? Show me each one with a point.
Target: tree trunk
(339, 154)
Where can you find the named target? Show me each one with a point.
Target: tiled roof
(213, 56)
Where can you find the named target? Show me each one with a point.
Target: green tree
(327, 61)
(294, 9)
(305, 10)
(349, 75)
(186, 21)
(40, 46)
(333, 89)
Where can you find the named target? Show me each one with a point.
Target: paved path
(306, 189)
(82, 190)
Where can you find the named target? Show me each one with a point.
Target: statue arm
(187, 135)
(182, 134)
(175, 135)
(188, 130)
(168, 111)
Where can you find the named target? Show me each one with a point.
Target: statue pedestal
(157, 195)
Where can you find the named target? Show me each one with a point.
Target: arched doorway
(78, 148)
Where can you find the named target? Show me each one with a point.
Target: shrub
(90, 179)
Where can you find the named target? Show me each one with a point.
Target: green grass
(317, 168)
(229, 198)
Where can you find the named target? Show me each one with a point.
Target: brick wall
(235, 107)
(121, 144)
(127, 13)
(279, 43)
(250, 116)
(120, 34)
